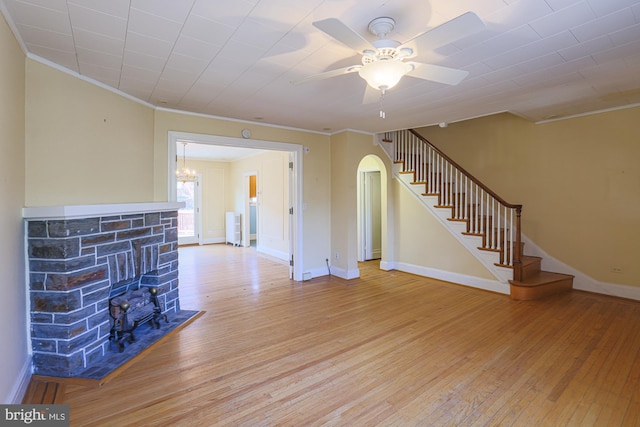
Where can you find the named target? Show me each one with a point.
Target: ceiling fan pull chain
(383, 115)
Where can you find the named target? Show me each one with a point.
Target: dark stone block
(55, 302)
(98, 239)
(99, 297)
(41, 317)
(45, 346)
(73, 227)
(36, 281)
(133, 233)
(58, 331)
(149, 280)
(104, 285)
(158, 229)
(152, 219)
(54, 248)
(110, 218)
(166, 248)
(113, 248)
(105, 330)
(77, 343)
(61, 266)
(77, 278)
(116, 225)
(94, 355)
(135, 223)
(37, 229)
(167, 257)
(168, 277)
(163, 270)
(151, 240)
(74, 316)
(171, 235)
(88, 251)
(134, 216)
(124, 264)
(169, 214)
(57, 365)
(101, 319)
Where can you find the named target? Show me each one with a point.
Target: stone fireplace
(76, 256)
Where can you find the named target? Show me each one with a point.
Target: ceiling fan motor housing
(382, 26)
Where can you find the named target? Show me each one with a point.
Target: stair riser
(525, 293)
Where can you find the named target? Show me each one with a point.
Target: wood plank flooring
(387, 349)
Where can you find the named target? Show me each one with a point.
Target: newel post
(517, 253)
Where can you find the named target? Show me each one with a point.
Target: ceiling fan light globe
(384, 74)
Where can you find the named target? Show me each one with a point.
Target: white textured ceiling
(539, 59)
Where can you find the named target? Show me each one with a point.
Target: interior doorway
(250, 236)
(189, 220)
(294, 176)
(371, 215)
(371, 205)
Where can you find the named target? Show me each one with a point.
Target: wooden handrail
(470, 176)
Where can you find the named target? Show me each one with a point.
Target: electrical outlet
(616, 270)
(336, 255)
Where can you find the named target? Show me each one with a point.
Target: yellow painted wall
(421, 240)
(84, 144)
(577, 179)
(13, 315)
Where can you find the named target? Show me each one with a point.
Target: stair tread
(541, 278)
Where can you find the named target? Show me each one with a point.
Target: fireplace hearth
(81, 261)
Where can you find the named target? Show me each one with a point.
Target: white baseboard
(581, 281)
(462, 279)
(23, 379)
(274, 253)
(345, 274)
(212, 241)
(316, 272)
(387, 265)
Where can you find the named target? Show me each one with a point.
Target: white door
(291, 213)
(189, 216)
(372, 215)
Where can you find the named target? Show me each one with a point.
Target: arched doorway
(372, 205)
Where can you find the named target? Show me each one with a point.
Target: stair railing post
(517, 253)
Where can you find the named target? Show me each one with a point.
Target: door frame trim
(296, 150)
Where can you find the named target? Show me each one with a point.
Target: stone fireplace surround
(75, 255)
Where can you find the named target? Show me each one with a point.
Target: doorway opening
(372, 219)
(189, 220)
(241, 202)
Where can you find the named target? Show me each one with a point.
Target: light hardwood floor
(387, 349)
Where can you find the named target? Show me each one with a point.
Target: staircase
(487, 225)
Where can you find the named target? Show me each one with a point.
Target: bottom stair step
(540, 285)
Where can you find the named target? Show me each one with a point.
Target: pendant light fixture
(185, 174)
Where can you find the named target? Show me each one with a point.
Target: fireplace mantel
(84, 211)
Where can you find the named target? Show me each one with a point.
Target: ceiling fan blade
(345, 35)
(328, 74)
(464, 25)
(371, 95)
(437, 73)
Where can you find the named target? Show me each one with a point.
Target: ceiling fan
(383, 60)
